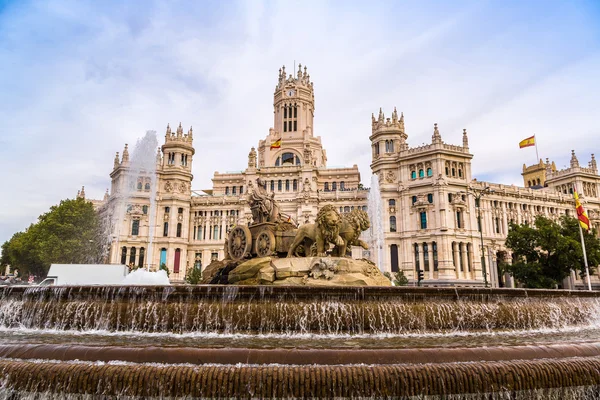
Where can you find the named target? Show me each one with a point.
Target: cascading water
(298, 342)
(374, 236)
(140, 182)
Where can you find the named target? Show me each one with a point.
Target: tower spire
(436, 137)
(465, 140)
(574, 160)
(125, 158)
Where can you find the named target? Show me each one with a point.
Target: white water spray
(141, 170)
(375, 234)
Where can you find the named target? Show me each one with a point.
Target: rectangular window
(295, 126)
(425, 257)
(166, 229)
(497, 225)
(459, 221)
(135, 227)
(215, 232)
(423, 216)
(233, 190)
(435, 256)
(179, 229)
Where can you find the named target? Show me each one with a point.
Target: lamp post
(477, 195)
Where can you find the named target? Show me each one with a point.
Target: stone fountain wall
(130, 371)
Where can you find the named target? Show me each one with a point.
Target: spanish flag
(582, 216)
(530, 141)
(276, 144)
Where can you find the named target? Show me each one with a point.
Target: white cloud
(83, 79)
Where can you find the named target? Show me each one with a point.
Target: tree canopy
(544, 254)
(66, 234)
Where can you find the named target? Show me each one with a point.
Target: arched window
(447, 173)
(334, 186)
(460, 173)
(425, 257)
(179, 229)
(163, 257)
(141, 260)
(226, 190)
(430, 198)
(429, 172)
(147, 186)
(135, 227)
(124, 255)
(233, 190)
(347, 209)
(166, 229)
(279, 185)
(145, 209)
(295, 185)
(453, 172)
(176, 261)
(391, 146)
(287, 159)
(413, 174)
(392, 224)
(242, 189)
(435, 255)
(139, 185)
(421, 173)
(392, 202)
(287, 185)
(272, 186)
(132, 256)
(414, 199)
(538, 181)
(326, 186)
(417, 263)
(342, 185)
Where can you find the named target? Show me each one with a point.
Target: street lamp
(477, 195)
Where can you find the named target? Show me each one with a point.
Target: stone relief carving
(390, 176)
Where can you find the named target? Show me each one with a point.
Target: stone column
(446, 268)
(463, 260)
(456, 250)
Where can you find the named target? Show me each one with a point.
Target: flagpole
(587, 270)
(536, 150)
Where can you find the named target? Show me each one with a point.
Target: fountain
(375, 234)
(215, 341)
(308, 332)
(142, 164)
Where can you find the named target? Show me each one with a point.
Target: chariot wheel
(265, 243)
(240, 242)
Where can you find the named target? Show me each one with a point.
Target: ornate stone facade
(430, 213)
(430, 220)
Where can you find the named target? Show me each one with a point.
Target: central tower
(294, 103)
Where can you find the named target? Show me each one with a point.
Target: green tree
(193, 275)
(397, 278)
(67, 234)
(545, 254)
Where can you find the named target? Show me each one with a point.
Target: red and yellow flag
(530, 141)
(582, 216)
(276, 144)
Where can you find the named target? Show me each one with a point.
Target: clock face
(291, 92)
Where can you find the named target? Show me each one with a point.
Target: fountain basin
(288, 342)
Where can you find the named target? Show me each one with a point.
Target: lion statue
(324, 231)
(353, 224)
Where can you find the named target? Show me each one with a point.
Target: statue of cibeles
(263, 206)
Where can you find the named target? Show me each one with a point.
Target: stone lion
(353, 224)
(325, 230)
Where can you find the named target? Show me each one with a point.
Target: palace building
(430, 199)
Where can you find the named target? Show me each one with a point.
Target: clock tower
(294, 103)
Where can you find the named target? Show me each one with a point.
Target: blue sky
(79, 79)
